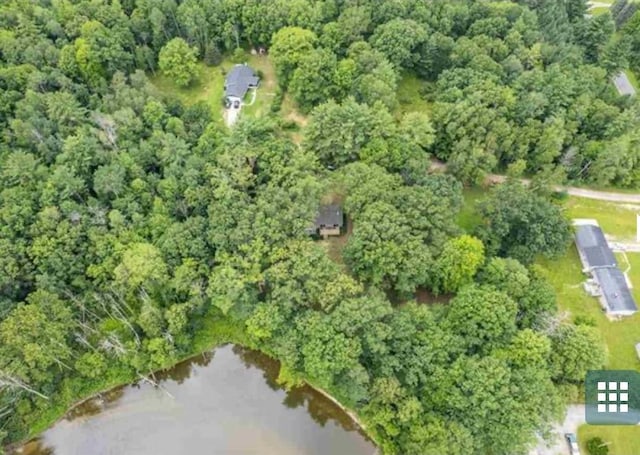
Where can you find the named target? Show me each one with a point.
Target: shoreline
(16, 447)
(351, 413)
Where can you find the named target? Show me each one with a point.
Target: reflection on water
(223, 402)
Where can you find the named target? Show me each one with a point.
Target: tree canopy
(137, 230)
(178, 61)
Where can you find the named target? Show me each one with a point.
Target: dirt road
(632, 198)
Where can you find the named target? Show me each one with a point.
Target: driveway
(558, 445)
(611, 196)
(231, 115)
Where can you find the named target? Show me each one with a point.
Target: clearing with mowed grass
(208, 87)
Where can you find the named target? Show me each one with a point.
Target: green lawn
(266, 90)
(289, 111)
(622, 440)
(208, 87)
(632, 78)
(616, 219)
(410, 95)
(598, 10)
(467, 218)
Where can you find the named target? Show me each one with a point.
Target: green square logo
(612, 397)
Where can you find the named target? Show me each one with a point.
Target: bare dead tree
(120, 316)
(112, 344)
(9, 381)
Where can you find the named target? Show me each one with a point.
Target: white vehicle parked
(572, 440)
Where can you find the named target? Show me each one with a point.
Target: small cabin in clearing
(623, 84)
(329, 221)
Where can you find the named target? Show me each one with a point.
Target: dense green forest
(136, 230)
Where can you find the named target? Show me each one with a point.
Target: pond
(223, 402)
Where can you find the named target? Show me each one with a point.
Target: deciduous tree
(288, 47)
(178, 61)
(457, 264)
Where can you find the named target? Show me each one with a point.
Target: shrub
(276, 104)
(596, 446)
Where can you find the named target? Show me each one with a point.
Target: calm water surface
(225, 402)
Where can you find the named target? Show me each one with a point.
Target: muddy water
(226, 402)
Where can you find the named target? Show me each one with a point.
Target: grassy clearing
(266, 90)
(289, 111)
(467, 218)
(632, 78)
(335, 245)
(622, 440)
(616, 219)
(598, 10)
(410, 95)
(209, 86)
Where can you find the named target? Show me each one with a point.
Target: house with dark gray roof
(593, 248)
(623, 84)
(607, 281)
(329, 221)
(239, 80)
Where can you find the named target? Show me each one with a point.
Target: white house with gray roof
(607, 280)
(239, 80)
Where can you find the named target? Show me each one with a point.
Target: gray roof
(593, 247)
(329, 216)
(623, 84)
(615, 290)
(601, 262)
(239, 80)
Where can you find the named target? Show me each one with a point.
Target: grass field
(267, 88)
(208, 87)
(598, 10)
(289, 111)
(410, 95)
(617, 220)
(622, 440)
(467, 218)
